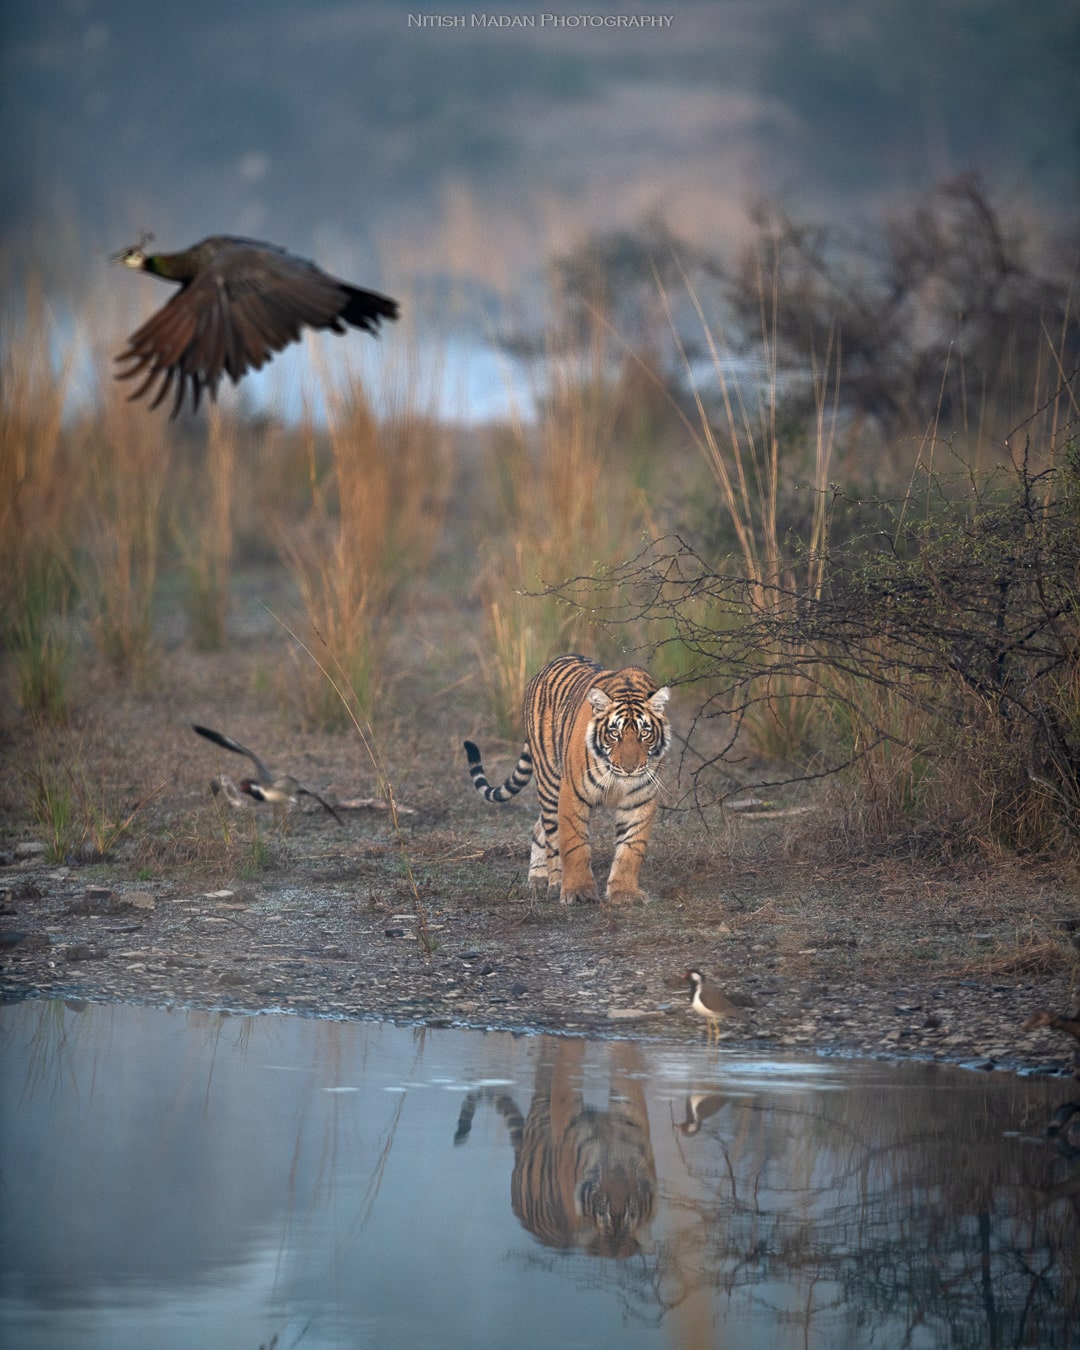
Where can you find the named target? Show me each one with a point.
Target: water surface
(186, 1179)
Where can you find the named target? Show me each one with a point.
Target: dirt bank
(884, 960)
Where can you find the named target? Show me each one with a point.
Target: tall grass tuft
(210, 534)
(564, 505)
(355, 717)
(80, 819)
(374, 517)
(40, 508)
(39, 640)
(53, 804)
(885, 740)
(521, 636)
(754, 457)
(128, 453)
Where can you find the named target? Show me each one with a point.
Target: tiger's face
(615, 1207)
(629, 737)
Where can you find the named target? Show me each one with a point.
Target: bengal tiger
(594, 737)
(582, 1177)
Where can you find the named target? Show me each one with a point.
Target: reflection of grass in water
(853, 1172)
(378, 1167)
(51, 1057)
(212, 1040)
(329, 1062)
(67, 1041)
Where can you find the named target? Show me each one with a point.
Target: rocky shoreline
(279, 946)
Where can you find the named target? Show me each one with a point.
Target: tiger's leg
(540, 864)
(574, 847)
(546, 832)
(632, 827)
(567, 1089)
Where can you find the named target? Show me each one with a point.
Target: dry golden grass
(78, 810)
(374, 517)
(208, 543)
(128, 465)
(42, 487)
(41, 500)
(1032, 956)
(40, 497)
(564, 505)
(745, 448)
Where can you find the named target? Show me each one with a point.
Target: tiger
(582, 1177)
(594, 737)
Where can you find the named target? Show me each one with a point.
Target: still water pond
(185, 1179)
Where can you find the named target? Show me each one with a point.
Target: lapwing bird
(708, 1002)
(239, 302)
(281, 791)
(228, 789)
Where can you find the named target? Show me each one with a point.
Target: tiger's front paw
(584, 895)
(626, 896)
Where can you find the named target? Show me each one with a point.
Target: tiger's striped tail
(523, 771)
(504, 1104)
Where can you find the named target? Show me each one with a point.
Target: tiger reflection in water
(582, 1177)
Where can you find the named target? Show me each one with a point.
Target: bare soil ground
(203, 905)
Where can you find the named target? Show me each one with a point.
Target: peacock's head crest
(136, 255)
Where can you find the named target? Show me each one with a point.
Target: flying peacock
(239, 302)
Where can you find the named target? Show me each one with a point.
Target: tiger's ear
(658, 702)
(599, 700)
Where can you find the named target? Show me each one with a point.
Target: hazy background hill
(340, 130)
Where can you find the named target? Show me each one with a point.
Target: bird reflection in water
(583, 1177)
(699, 1107)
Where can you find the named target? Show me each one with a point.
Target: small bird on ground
(708, 1002)
(281, 792)
(239, 302)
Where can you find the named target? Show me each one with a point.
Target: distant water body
(456, 379)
